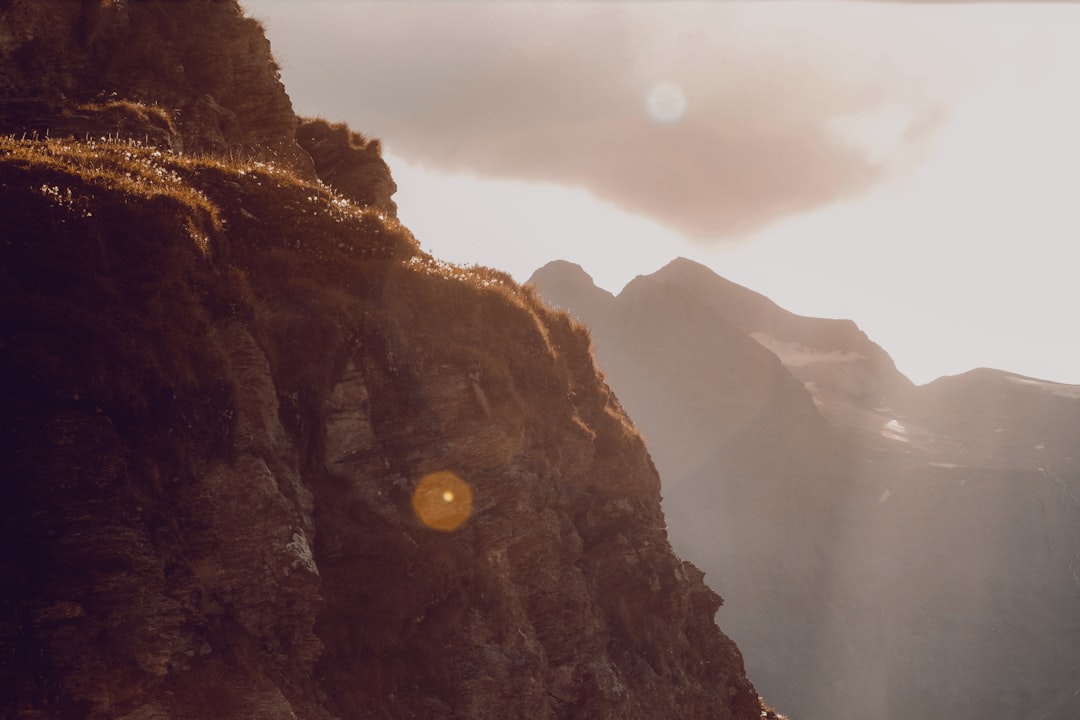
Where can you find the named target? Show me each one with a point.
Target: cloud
(765, 110)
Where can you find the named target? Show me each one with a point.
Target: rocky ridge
(225, 385)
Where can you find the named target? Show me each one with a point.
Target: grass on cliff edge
(93, 233)
(229, 206)
(76, 172)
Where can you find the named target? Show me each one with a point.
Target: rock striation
(224, 385)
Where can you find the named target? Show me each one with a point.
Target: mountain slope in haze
(261, 456)
(988, 417)
(714, 388)
(888, 551)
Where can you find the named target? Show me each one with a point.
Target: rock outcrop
(194, 76)
(263, 457)
(349, 162)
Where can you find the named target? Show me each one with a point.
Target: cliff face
(243, 414)
(195, 76)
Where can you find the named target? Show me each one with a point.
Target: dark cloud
(557, 93)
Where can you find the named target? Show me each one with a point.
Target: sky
(913, 166)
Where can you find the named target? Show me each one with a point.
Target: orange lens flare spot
(442, 501)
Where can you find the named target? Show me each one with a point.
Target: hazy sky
(912, 166)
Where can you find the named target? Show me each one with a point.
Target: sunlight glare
(442, 501)
(666, 103)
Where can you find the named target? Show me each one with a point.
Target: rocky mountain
(888, 551)
(261, 456)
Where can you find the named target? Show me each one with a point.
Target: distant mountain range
(888, 551)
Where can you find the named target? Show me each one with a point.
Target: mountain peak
(564, 269)
(566, 285)
(834, 359)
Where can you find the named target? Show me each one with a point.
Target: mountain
(994, 418)
(712, 386)
(261, 456)
(888, 551)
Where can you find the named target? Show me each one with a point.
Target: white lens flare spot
(666, 103)
(442, 501)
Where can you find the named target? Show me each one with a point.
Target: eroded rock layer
(224, 385)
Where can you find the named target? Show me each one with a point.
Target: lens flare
(666, 103)
(442, 501)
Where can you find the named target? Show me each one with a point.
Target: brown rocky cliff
(195, 76)
(216, 419)
(349, 162)
(224, 383)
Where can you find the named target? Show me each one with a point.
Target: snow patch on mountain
(1059, 389)
(894, 430)
(793, 354)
